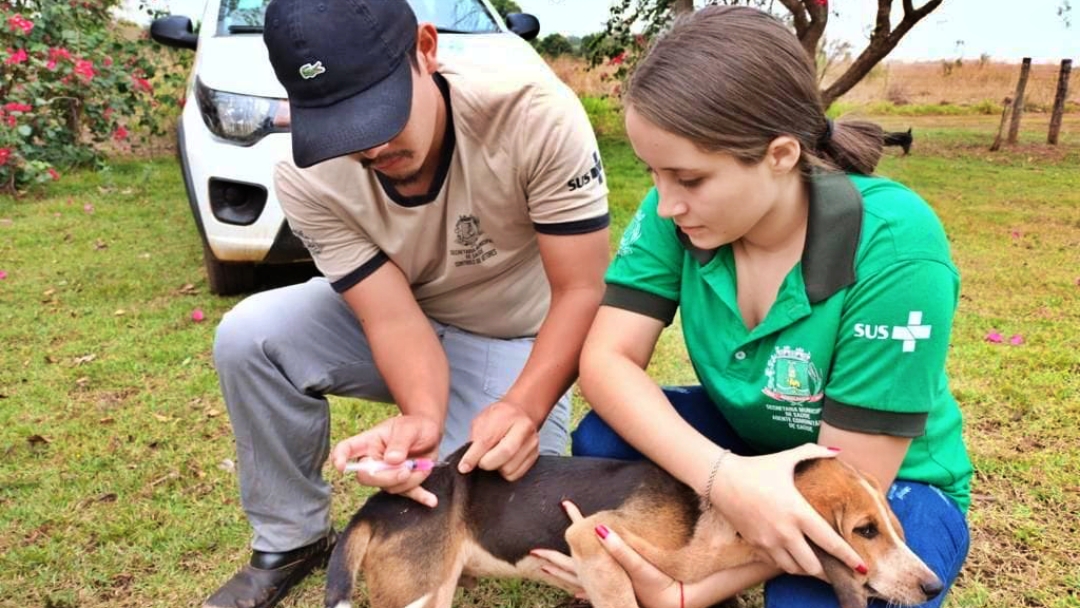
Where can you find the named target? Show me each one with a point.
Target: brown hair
(732, 79)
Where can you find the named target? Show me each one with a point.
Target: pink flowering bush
(70, 81)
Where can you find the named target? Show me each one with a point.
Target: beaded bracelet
(712, 477)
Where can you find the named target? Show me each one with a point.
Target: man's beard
(405, 180)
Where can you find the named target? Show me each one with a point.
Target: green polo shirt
(857, 337)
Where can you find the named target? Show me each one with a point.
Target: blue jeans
(935, 528)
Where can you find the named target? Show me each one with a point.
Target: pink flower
(1016, 340)
(618, 59)
(54, 174)
(51, 65)
(3, 275)
(88, 208)
(197, 315)
(57, 54)
(18, 22)
(85, 69)
(10, 120)
(994, 337)
(5, 155)
(18, 107)
(1017, 234)
(120, 134)
(18, 56)
(142, 84)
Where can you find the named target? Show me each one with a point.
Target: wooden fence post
(1018, 100)
(1059, 102)
(1007, 103)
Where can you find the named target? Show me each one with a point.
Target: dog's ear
(848, 589)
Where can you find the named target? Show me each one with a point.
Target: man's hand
(504, 438)
(393, 441)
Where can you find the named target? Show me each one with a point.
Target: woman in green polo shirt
(816, 304)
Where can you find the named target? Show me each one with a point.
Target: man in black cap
(458, 211)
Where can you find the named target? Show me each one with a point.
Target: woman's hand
(758, 496)
(653, 588)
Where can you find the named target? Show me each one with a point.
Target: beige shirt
(525, 161)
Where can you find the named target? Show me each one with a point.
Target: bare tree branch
(798, 14)
(882, 41)
(810, 36)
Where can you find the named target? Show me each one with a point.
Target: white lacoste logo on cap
(311, 70)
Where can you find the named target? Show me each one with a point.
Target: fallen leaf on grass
(227, 465)
(85, 359)
(120, 312)
(162, 418)
(212, 413)
(123, 580)
(100, 244)
(144, 256)
(83, 382)
(106, 497)
(37, 441)
(189, 290)
(994, 337)
(36, 534)
(6, 221)
(48, 293)
(51, 360)
(107, 420)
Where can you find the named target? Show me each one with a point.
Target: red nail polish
(862, 569)
(834, 449)
(602, 531)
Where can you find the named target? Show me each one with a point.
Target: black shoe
(268, 578)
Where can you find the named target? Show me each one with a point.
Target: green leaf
(25, 130)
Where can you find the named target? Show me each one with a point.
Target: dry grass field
(974, 84)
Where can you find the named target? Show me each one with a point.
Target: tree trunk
(682, 6)
(809, 18)
(883, 40)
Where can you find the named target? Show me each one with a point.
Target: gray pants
(279, 352)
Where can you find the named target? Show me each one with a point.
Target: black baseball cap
(345, 66)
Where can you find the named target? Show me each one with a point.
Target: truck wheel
(228, 278)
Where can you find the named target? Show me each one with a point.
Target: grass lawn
(117, 482)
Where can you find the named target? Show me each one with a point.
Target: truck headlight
(241, 119)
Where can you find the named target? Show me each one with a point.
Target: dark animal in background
(900, 138)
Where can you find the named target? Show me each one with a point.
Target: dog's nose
(932, 588)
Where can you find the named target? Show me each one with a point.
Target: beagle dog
(412, 556)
